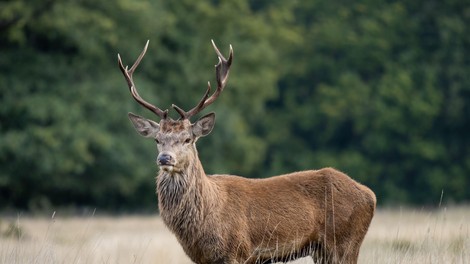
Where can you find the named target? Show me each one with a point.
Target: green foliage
(375, 94)
(377, 89)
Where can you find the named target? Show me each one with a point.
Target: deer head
(176, 138)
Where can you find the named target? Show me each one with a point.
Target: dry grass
(132, 239)
(395, 236)
(418, 236)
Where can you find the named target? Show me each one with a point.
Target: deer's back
(309, 187)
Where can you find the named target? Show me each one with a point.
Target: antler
(221, 71)
(130, 82)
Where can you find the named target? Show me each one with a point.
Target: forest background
(377, 89)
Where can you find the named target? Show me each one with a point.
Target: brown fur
(230, 219)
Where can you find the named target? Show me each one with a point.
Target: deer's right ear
(144, 126)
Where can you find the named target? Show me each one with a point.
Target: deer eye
(158, 141)
(187, 141)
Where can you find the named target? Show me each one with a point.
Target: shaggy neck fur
(184, 198)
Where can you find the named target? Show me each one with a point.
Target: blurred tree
(65, 136)
(63, 139)
(377, 89)
(376, 94)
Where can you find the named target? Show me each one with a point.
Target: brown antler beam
(132, 88)
(222, 69)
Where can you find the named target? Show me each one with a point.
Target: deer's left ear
(204, 125)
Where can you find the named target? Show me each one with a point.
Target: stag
(230, 219)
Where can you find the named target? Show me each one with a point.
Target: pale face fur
(175, 139)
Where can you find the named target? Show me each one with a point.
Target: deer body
(243, 220)
(230, 219)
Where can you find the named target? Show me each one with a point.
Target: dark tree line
(377, 89)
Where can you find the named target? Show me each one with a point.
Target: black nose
(164, 159)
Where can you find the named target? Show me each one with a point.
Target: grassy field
(395, 236)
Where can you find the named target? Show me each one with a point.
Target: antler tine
(197, 108)
(222, 71)
(132, 88)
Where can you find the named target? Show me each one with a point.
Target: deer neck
(185, 196)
